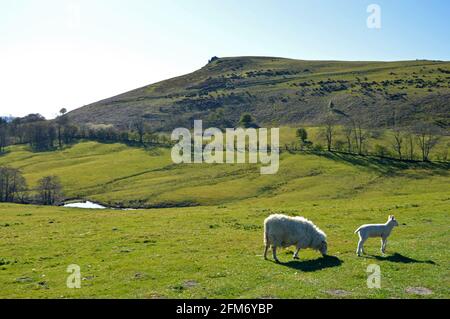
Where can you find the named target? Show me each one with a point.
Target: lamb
(285, 231)
(375, 230)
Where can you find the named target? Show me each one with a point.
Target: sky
(69, 53)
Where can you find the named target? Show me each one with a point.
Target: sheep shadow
(313, 265)
(398, 258)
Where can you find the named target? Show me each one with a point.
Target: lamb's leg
(358, 250)
(360, 246)
(383, 245)
(274, 251)
(296, 253)
(265, 251)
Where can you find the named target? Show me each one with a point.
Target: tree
(138, 126)
(12, 184)
(69, 134)
(360, 134)
(398, 142)
(410, 145)
(348, 133)
(329, 131)
(19, 127)
(427, 139)
(40, 135)
(49, 190)
(51, 135)
(247, 121)
(61, 122)
(302, 134)
(3, 134)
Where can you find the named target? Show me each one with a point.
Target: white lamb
(375, 230)
(285, 231)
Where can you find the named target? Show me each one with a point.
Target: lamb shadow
(398, 258)
(313, 265)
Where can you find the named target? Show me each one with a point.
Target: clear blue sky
(67, 53)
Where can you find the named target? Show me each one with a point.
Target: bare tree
(49, 190)
(398, 142)
(348, 133)
(12, 184)
(360, 134)
(410, 145)
(427, 137)
(329, 130)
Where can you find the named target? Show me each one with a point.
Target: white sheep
(375, 230)
(285, 231)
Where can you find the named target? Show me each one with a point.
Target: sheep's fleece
(285, 231)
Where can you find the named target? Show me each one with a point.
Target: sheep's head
(323, 248)
(392, 220)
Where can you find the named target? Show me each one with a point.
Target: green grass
(215, 250)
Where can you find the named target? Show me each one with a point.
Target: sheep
(285, 231)
(375, 230)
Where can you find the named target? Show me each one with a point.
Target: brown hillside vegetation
(278, 91)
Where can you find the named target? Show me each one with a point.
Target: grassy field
(214, 250)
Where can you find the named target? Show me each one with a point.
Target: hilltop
(279, 91)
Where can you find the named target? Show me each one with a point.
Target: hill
(214, 250)
(278, 91)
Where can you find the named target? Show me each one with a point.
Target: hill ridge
(282, 91)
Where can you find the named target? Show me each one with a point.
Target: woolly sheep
(285, 231)
(375, 230)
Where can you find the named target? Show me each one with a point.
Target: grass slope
(284, 91)
(215, 249)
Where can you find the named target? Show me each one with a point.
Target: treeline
(14, 189)
(354, 136)
(45, 135)
(338, 133)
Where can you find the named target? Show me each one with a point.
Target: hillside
(279, 91)
(214, 250)
(122, 176)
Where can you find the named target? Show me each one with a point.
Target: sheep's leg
(383, 245)
(360, 249)
(296, 253)
(265, 251)
(274, 251)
